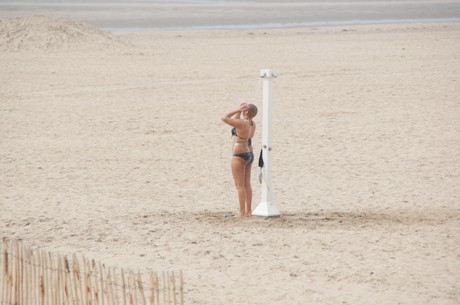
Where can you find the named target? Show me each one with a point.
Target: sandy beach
(112, 146)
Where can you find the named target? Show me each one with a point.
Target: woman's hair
(252, 111)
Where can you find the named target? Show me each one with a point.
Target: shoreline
(269, 26)
(117, 15)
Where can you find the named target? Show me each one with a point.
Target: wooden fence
(34, 277)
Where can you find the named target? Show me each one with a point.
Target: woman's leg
(248, 188)
(238, 171)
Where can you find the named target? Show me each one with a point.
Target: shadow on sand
(315, 220)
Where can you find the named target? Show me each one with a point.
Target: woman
(243, 131)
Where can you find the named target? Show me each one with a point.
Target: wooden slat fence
(34, 277)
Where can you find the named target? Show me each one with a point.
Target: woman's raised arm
(233, 117)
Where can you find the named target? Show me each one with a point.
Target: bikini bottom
(247, 156)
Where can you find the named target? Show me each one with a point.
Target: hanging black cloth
(261, 164)
(261, 159)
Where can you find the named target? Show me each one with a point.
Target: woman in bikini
(243, 131)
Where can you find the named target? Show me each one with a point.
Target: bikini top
(235, 134)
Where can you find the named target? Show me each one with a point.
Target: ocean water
(138, 15)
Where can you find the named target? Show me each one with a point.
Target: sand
(117, 152)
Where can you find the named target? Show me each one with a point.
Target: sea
(146, 15)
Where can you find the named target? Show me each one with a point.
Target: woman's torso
(242, 138)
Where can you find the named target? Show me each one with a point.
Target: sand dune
(53, 33)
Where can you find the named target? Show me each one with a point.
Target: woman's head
(251, 111)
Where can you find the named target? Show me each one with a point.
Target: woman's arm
(233, 117)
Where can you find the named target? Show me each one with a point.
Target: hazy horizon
(161, 14)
